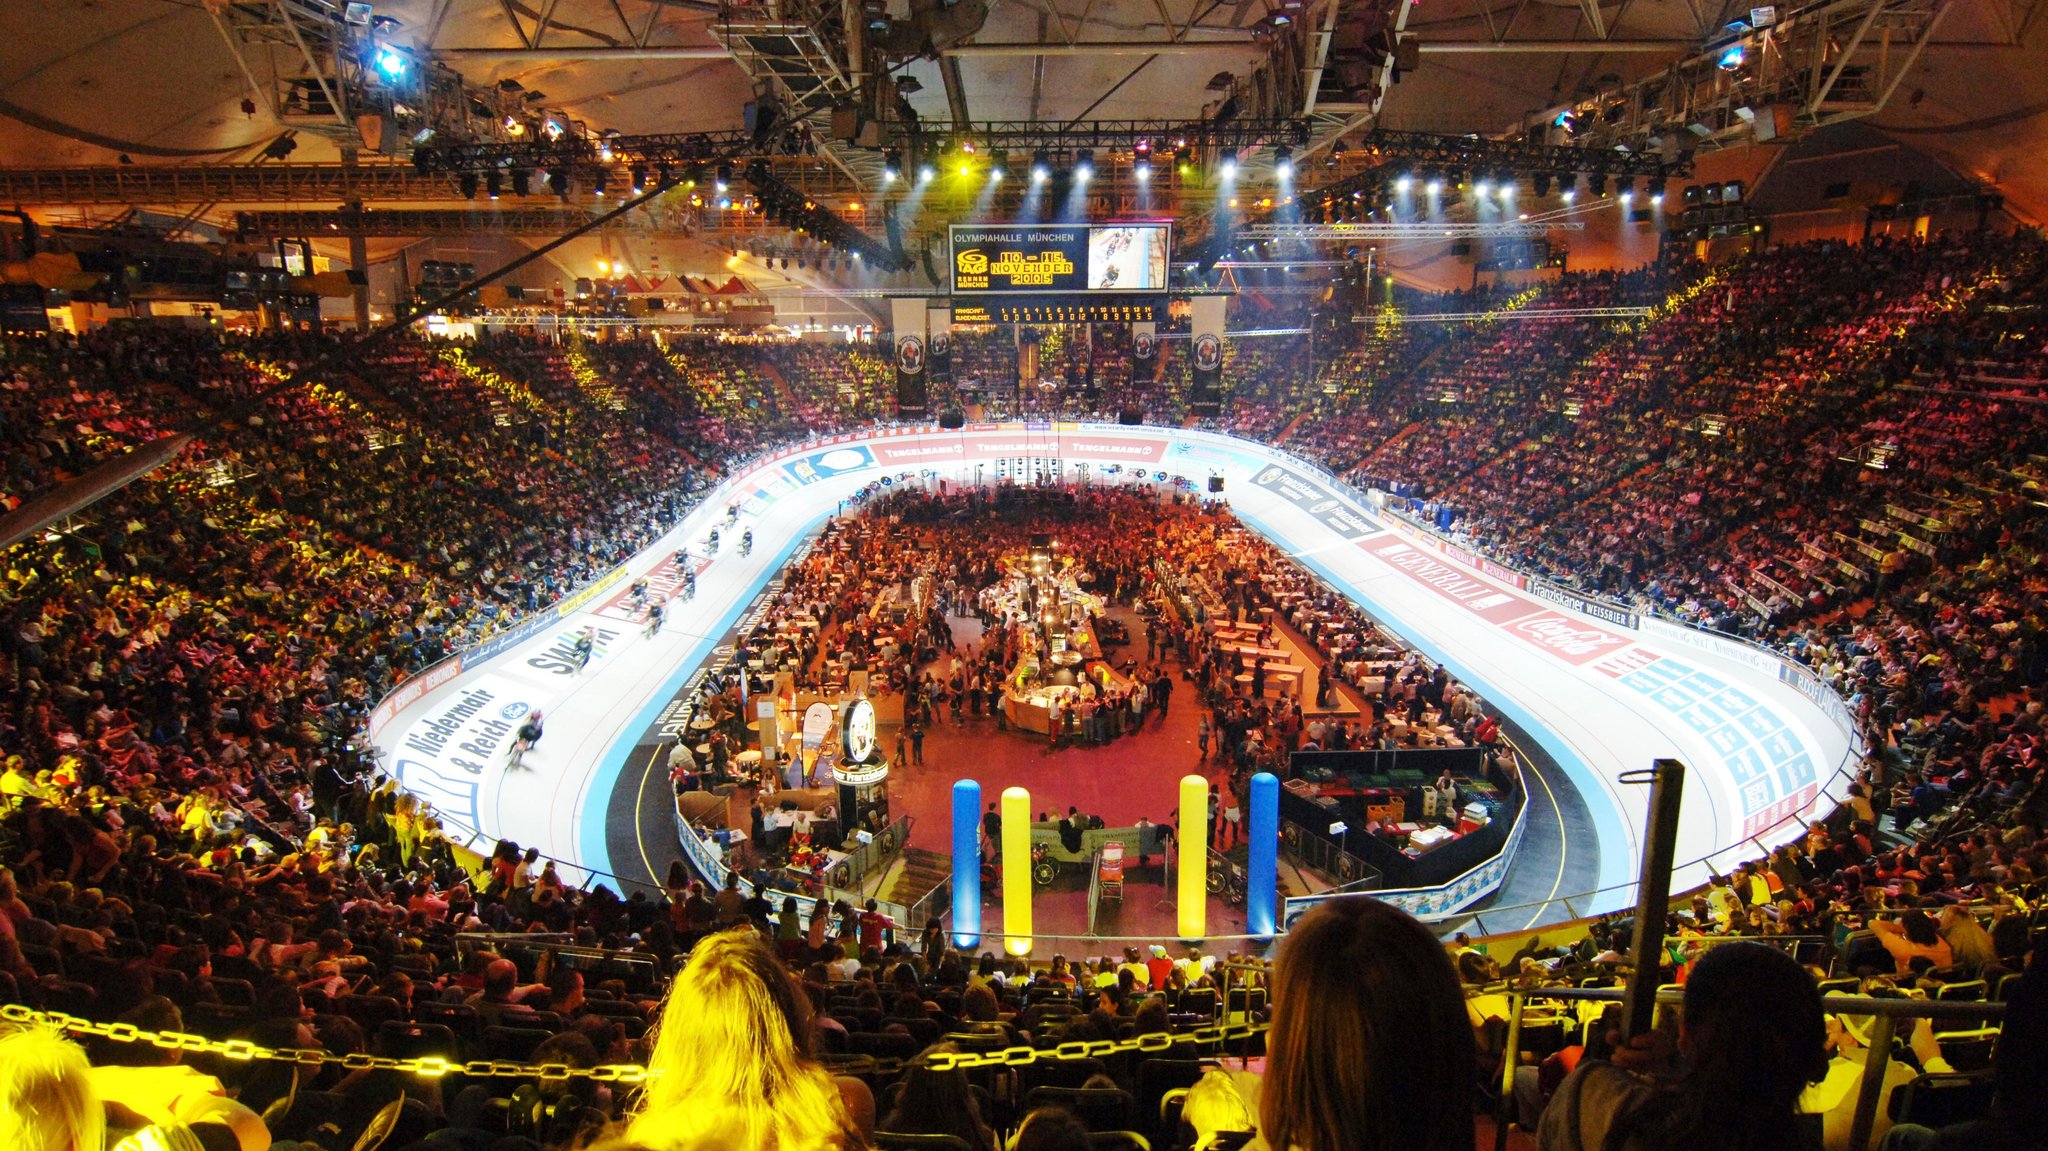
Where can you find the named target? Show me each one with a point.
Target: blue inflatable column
(966, 864)
(1262, 883)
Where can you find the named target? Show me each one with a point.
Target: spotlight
(1596, 185)
(639, 178)
(1084, 166)
(1540, 185)
(1403, 182)
(598, 182)
(1626, 188)
(494, 184)
(1283, 162)
(1568, 195)
(558, 181)
(892, 166)
(925, 173)
(392, 64)
(1141, 170)
(1435, 186)
(1484, 187)
(1507, 191)
(1041, 167)
(998, 167)
(1228, 169)
(1657, 191)
(1732, 58)
(522, 181)
(467, 183)
(724, 177)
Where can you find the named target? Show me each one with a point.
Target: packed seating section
(1834, 450)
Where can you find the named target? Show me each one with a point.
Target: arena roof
(182, 83)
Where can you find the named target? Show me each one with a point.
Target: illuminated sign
(857, 732)
(1084, 258)
(1075, 308)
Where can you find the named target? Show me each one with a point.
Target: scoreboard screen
(1058, 308)
(1088, 259)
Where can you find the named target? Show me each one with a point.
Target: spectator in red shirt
(872, 924)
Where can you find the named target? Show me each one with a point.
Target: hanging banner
(939, 345)
(1205, 356)
(912, 388)
(1144, 353)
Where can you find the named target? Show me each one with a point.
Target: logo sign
(857, 732)
(1316, 500)
(1144, 345)
(1569, 639)
(817, 722)
(829, 463)
(910, 355)
(942, 344)
(1208, 352)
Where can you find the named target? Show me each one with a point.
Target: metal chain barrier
(435, 1067)
(1023, 1056)
(241, 1050)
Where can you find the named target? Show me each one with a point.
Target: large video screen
(1006, 259)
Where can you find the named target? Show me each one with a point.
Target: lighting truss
(1235, 134)
(1405, 230)
(1519, 314)
(1522, 157)
(574, 150)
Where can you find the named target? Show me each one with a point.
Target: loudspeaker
(952, 421)
(1130, 417)
(1215, 484)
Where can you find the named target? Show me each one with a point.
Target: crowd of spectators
(1831, 449)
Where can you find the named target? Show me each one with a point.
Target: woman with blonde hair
(731, 1062)
(47, 1098)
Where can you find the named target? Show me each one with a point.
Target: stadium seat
(895, 1141)
(1942, 1100)
(1100, 1108)
(514, 1042)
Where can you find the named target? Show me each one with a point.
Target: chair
(1543, 1037)
(46, 960)
(70, 997)
(925, 1031)
(214, 1020)
(234, 992)
(1199, 1001)
(882, 1044)
(372, 1011)
(1069, 1073)
(1100, 1108)
(897, 1141)
(1970, 1051)
(459, 1018)
(403, 1040)
(1158, 1078)
(1941, 1100)
(514, 1042)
